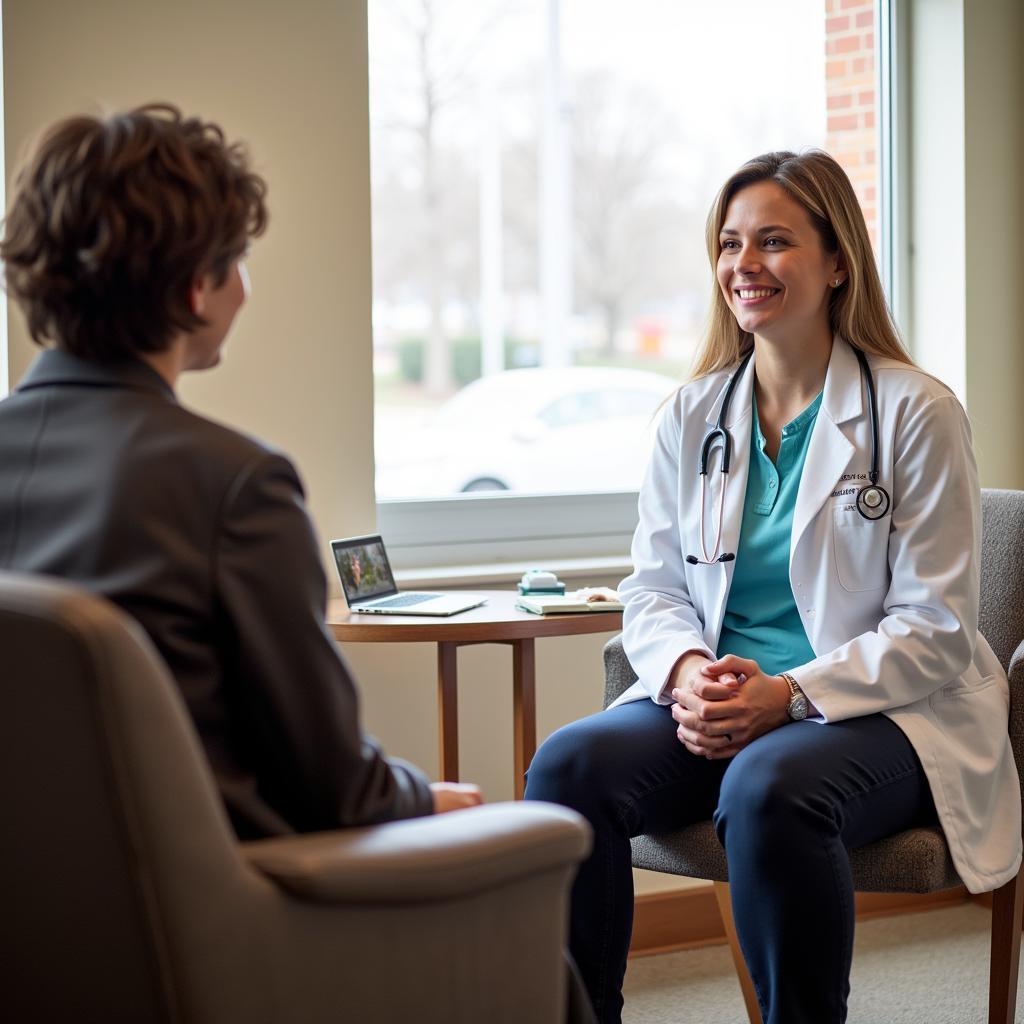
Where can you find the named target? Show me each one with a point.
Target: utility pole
(555, 209)
(492, 289)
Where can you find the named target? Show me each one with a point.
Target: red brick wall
(850, 98)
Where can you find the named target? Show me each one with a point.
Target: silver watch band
(799, 705)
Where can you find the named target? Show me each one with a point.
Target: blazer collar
(842, 400)
(55, 366)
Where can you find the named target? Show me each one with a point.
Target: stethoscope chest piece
(872, 501)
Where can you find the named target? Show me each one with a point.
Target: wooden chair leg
(1007, 903)
(746, 985)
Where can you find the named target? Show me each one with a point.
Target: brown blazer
(202, 535)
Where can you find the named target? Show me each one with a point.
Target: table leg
(448, 711)
(524, 709)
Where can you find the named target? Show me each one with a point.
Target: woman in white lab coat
(804, 627)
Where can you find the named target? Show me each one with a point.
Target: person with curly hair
(124, 246)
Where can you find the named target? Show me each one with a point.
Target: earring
(838, 281)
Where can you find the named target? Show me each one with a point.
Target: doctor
(802, 613)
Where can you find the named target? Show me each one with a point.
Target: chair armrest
(421, 860)
(1016, 670)
(1015, 674)
(618, 673)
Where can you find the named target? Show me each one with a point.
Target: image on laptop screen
(364, 569)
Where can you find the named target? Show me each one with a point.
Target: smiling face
(773, 270)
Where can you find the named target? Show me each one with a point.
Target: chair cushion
(913, 861)
(693, 851)
(618, 673)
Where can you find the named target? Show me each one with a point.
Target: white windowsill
(582, 571)
(509, 533)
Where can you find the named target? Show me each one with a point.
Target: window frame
(475, 529)
(892, 32)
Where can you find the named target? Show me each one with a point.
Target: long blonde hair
(857, 310)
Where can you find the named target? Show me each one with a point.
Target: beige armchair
(126, 897)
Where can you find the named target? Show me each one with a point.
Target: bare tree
(425, 71)
(637, 227)
(630, 227)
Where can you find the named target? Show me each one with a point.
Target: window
(541, 172)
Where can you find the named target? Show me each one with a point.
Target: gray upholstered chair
(916, 861)
(126, 897)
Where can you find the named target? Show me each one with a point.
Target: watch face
(798, 708)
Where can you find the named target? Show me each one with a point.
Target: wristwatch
(798, 704)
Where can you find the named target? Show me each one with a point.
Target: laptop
(369, 584)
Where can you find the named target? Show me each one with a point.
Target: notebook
(589, 599)
(369, 584)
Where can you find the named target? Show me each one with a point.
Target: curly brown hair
(113, 220)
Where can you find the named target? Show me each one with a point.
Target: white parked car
(538, 430)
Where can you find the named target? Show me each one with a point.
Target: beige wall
(966, 200)
(994, 218)
(291, 80)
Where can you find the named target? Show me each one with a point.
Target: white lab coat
(890, 607)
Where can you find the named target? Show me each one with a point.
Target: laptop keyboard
(403, 600)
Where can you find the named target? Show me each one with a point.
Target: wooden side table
(497, 621)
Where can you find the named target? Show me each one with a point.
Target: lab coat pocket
(973, 719)
(861, 550)
(958, 688)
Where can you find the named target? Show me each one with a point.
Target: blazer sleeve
(928, 633)
(288, 682)
(660, 623)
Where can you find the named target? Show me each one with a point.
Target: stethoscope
(872, 501)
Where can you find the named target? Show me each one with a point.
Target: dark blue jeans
(787, 809)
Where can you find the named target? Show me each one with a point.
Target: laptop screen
(363, 567)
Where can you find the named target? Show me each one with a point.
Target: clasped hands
(721, 706)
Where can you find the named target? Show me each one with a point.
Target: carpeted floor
(927, 968)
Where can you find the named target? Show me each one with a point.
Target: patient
(124, 247)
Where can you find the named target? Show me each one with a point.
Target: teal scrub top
(761, 617)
